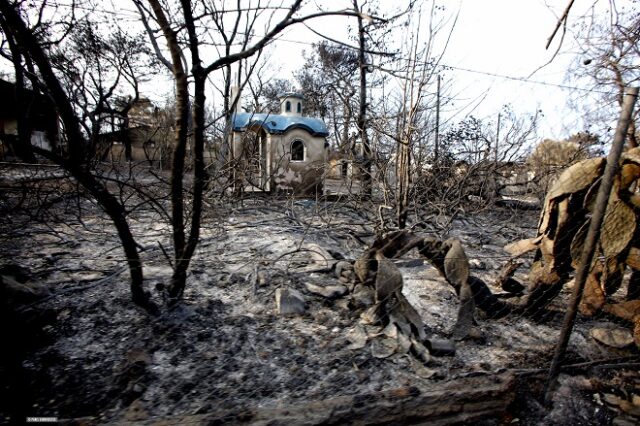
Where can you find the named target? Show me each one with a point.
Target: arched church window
(297, 150)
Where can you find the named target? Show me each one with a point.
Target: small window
(299, 108)
(297, 150)
(287, 106)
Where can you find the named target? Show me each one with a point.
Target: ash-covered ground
(82, 350)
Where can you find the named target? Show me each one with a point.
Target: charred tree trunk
(403, 165)
(76, 164)
(179, 278)
(362, 115)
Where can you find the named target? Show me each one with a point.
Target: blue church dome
(278, 124)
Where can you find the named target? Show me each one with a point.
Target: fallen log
(453, 402)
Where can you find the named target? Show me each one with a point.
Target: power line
(131, 15)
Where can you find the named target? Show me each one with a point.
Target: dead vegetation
(373, 330)
(561, 239)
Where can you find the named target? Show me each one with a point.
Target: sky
(497, 54)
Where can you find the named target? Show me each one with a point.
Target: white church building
(285, 152)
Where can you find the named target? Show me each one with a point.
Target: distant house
(39, 113)
(279, 152)
(143, 136)
(135, 144)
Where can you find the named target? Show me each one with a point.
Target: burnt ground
(85, 352)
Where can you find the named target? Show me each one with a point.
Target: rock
(383, 347)
(348, 275)
(363, 296)
(361, 268)
(477, 264)
(83, 276)
(404, 343)
(475, 333)
(319, 257)
(264, 278)
(441, 347)
(336, 254)
(371, 316)
(390, 331)
(357, 336)
(26, 292)
(614, 337)
(17, 272)
(388, 279)
(342, 267)
(329, 291)
(136, 412)
(290, 302)
(421, 371)
(408, 263)
(420, 351)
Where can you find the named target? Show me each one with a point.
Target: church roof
(278, 124)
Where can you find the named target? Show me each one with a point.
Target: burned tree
(77, 158)
(186, 226)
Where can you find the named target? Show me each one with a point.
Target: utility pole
(435, 154)
(362, 115)
(497, 138)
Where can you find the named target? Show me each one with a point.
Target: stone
(475, 333)
(363, 296)
(477, 264)
(408, 263)
(390, 331)
(384, 347)
(290, 302)
(319, 257)
(329, 291)
(84, 276)
(357, 336)
(361, 268)
(614, 337)
(341, 267)
(26, 292)
(264, 278)
(420, 351)
(348, 275)
(136, 412)
(441, 347)
(421, 371)
(371, 315)
(404, 343)
(388, 279)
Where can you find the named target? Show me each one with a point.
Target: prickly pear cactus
(563, 227)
